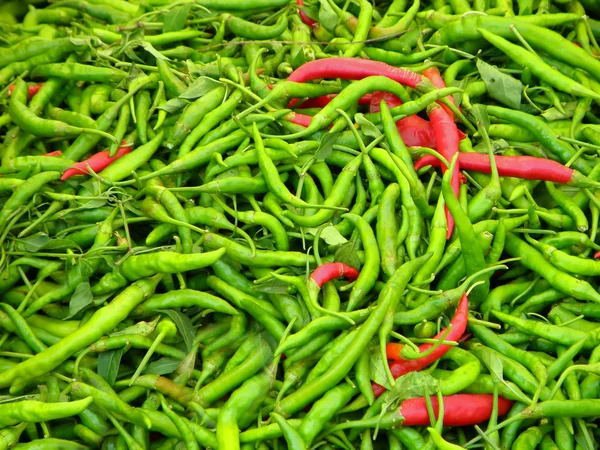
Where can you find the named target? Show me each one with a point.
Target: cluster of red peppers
(460, 409)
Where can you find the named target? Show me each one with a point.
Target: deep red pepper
(459, 409)
(32, 89)
(526, 167)
(330, 271)
(434, 75)
(459, 325)
(391, 101)
(597, 255)
(307, 20)
(97, 162)
(356, 69)
(400, 366)
(448, 141)
(414, 130)
(299, 119)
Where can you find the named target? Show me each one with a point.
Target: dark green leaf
(272, 286)
(34, 243)
(162, 366)
(327, 16)
(201, 86)
(110, 262)
(59, 244)
(174, 105)
(552, 114)
(494, 365)
(366, 126)
(411, 385)
(497, 146)
(142, 328)
(150, 49)
(184, 325)
(81, 298)
(500, 86)
(109, 363)
(326, 146)
(481, 116)
(265, 243)
(329, 234)
(79, 42)
(377, 368)
(187, 365)
(130, 53)
(348, 254)
(175, 19)
(93, 204)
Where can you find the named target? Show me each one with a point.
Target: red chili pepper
(391, 101)
(355, 69)
(465, 337)
(32, 89)
(448, 141)
(307, 20)
(434, 75)
(330, 271)
(54, 153)
(400, 366)
(459, 409)
(299, 119)
(597, 255)
(97, 162)
(416, 131)
(526, 167)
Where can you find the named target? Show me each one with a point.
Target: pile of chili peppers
(269, 224)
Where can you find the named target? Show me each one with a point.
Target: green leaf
(366, 126)
(187, 364)
(175, 19)
(150, 49)
(348, 254)
(329, 234)
(377, 368)
(79, 42)
(93, 204)
(552, 114)
(110, 262)
(184, 325)
(162, 366)
(34, 242)
(201, 86)
(411, 385)
(327, 16)
(265, 243)
(481, 116)
(81, 298)
(494, 365)
(174, 105)
(272, 286)
(130, 53)
(59, 244)
(326, 146)
(142, 328)
(109, 363)
(497, 146)
(500, 86)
